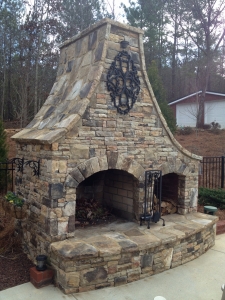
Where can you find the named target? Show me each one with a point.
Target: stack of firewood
(90, 211)
(168, 207)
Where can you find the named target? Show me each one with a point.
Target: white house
(185, 109)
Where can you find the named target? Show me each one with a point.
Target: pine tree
(3, 157)
(160, 95)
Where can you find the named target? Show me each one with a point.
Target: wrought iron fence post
(222, 172)
(7, 174)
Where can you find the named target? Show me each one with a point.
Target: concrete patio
(199, 279)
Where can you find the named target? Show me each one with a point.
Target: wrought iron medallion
(123, 82)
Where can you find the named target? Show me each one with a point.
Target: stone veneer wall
(78, 132)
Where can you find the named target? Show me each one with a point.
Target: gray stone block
(56, 190)
(135, 57)
(92, 40)
(71, 182)
(69, 66)
(99, 51)
(52, 227)
(112, 159)
(71, 223)
(96, 274)
(76, 174)
(49, 112)
(85, 90)
(46, 202)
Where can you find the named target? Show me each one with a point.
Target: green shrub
(14, 199)
(185, 130)
(214, 197)
(160, 95)
(215, 128)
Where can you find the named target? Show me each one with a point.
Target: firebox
(114, 190)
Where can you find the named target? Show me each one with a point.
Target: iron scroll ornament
(123, 82)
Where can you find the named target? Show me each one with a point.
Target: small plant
(214, 197)
(215, 127)
(14, 199)
(185, 130)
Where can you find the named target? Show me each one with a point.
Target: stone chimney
(98, 132)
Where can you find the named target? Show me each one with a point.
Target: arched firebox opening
(173, 192)
(114, 190)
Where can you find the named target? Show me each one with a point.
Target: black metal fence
(211, 173)
(8, 168)
(6, 176)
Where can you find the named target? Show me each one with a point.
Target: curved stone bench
(118, 254)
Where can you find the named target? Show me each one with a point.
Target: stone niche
(81, 138)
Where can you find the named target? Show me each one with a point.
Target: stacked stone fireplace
(88, 146)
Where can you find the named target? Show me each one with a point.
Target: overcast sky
(118, 11)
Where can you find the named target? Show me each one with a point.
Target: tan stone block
(105, 246)
(55, 146)
(52, 166)
(100, 96)
(44, 210)
(73, 279)
(86, 288)
(95, 73)
(115, 38)
(137, 170)
(70, 279)
(68, 122)
(111, 124)
(84, 46)
(111, 148)
(71, 197)
(62, 166)
(79, 151)
(62, 225)
(83, 133)
(61, 200)
(58, 212)
(103, 163)
(167, 255)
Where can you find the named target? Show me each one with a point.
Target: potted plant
(14, 205)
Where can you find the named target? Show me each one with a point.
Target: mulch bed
(14, 264)
(14, 269)
(220, 213)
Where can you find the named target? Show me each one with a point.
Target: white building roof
(199, 92)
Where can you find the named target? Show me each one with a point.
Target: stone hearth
(123, 252)
(93, 138)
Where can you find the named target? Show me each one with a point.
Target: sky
(118, 11)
